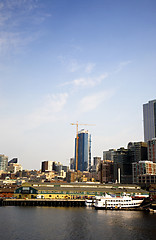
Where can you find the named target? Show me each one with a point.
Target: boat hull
(116, 208)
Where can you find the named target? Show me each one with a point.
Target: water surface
(60, 223)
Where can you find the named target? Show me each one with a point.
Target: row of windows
(119, 200)
(122, 204)
(69, 192)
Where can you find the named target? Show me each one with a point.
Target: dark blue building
(84, 151)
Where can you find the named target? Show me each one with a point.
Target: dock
(43, 202)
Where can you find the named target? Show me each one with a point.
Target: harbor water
(75, 223)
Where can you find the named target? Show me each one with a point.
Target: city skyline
(66, 61)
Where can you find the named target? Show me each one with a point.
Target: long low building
(53, 190)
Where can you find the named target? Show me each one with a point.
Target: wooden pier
(43, 202)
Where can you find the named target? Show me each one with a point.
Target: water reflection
(38, 223)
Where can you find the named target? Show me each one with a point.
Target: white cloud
(49, 111)
(122, 65)
(24, 4)
(73, 66)
(12, 34)
(91, 102)
(10, 41)
(86, 82)
(89, 67)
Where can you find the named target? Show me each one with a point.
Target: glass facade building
(149, 117)
(84, 151)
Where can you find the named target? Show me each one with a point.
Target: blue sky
(62, 61)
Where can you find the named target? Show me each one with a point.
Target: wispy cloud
(72, 65)
(15, 41)
(14, 16)
(86, 82)
(121, 66)
(52, 106)
(91, 102)
(89, 67)
(24, 4)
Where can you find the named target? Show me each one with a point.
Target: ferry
(113, 202)
(89, 202)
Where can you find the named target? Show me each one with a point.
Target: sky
(63, 61)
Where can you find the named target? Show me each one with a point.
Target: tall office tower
(149, 116)
(3, 162)
(84, 151)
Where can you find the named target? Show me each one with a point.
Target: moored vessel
(90, 202)
(122, 202)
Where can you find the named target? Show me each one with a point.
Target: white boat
(122, 202)
(89, 202)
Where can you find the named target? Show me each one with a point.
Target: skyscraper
(84, 150)
(149, 116)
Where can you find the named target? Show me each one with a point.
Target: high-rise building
(123, 166)
(84, 151)
(46, 166)
(3, 162)
(152, 150)
(138, 151)
(149, 117)
(108, 155)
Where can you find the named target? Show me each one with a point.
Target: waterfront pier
(43, 202)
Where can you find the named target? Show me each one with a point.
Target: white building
(14, 167)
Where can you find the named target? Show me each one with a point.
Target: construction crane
(77, 124)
